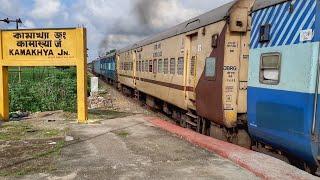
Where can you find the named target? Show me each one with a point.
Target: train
(246, 72)
(105, 67)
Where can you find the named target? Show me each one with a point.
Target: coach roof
(261, 4)
(210, 17)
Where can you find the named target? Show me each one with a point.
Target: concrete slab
(262, 165)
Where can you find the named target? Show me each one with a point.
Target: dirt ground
(114, 145)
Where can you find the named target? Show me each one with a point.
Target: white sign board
(94, 85)
(306, 35)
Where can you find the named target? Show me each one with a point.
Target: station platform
(262, 165)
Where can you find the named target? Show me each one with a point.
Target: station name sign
(44, 47)
(39, 44)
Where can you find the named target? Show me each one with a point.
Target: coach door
(192, 72)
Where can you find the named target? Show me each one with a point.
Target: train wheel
(218, 133)
(183, 121)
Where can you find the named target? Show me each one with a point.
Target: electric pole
(17, 21)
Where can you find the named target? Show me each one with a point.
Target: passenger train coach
(246, 72)
(105, 67)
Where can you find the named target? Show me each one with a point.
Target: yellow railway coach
(196, 71)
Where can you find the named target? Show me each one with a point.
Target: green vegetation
(55, 151)
(122, 134)
(15, 131)
(30, 163)
(43, 89)
(98, 115)
(106, 114)
(26, 148)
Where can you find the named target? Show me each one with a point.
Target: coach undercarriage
(189, 119)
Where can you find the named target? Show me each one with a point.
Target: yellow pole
(4, 94)
(82, 82)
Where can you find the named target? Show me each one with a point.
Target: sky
(111, 24)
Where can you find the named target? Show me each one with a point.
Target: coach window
(142, 66)
(180, 66)
(172, 66)
(155, 66)
(210, 68)
(165, 66)
(270, 68)
(139, 66)
(160, 66)
(146, 66)
(150, 66)
(192, 65)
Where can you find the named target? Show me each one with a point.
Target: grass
(30, 73)
(15, 131)
(122, 134)
(32, 166)
(35, 156)
(106, 114)
(97, 115)
(55, 151)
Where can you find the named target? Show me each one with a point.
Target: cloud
(45, 9)
(29, 24)
(9, 8)
(146, 18)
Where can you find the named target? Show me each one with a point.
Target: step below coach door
(192, 66)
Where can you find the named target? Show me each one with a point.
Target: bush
(57, 91)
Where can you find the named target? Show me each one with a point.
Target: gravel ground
(120, 102)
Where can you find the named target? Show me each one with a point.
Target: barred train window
(142, 66)
(150, 66)
(146, 66)
(180, 67)
(139, 66)
(210, 70)
(192, 66)
(165, 66)
(155, 63)
(172, 66)
(270, 68)
(160, 66)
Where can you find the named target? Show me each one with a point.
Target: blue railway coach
(283, 105)
(109, 67)
(96, 67)
(105, 67)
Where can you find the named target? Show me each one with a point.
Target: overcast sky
(110, 23)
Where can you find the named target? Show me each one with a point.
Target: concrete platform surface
(134, 148)
(262, 165)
